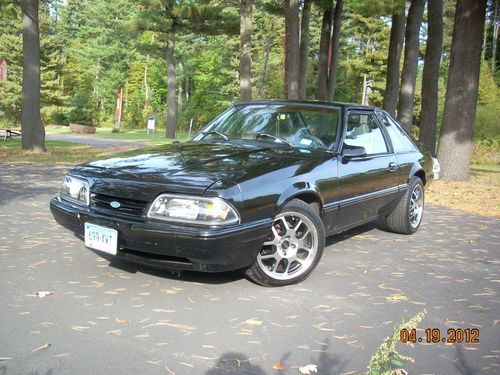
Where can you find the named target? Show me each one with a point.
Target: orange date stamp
(434, 336)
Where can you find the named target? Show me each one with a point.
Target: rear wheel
(293, 247)
(407, 215)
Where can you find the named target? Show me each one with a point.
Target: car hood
(190, 167)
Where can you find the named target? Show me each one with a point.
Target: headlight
(75, 190)
(197, 210)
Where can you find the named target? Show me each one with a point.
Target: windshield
(298, 126)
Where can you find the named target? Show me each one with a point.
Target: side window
(363, 131)
(400, 140)
(322, 124)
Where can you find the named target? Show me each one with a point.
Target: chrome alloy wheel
(416, 208)
(290, 248)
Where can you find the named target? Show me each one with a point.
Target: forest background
(186, 61)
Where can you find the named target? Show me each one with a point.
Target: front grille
(129, 207)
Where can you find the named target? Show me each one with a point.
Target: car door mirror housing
(353, 152)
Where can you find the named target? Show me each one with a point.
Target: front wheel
(293, 247)
(407, 215)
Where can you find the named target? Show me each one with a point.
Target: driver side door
(366, 183)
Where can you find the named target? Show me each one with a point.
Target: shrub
(386, 358)
(486, 151)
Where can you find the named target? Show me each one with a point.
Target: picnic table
(9, 133)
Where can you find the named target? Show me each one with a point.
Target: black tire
(298, 238)
(400, 220)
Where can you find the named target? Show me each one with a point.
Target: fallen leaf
(44, 346)
(278, 366)
(396, 297)
(253, 322)
(308, 369)
(79, 328)
(43, 293)
(61, 355)
(114, 332)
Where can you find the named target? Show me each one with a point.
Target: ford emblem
(115, 204)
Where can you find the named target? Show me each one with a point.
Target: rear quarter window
(401, 142)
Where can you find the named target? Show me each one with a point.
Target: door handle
(392, 166)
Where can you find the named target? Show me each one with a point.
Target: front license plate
(101, 238)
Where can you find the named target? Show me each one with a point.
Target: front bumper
(172, 246)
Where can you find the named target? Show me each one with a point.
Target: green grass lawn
(16, 143)
(74, 152)
(139, 135)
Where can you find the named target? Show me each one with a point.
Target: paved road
(101, 143)
(111, 317)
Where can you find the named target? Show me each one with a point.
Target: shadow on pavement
(34, 180)
(187, 276)
(332, 240)
(235, 363)
(239, 363)
(461, 364)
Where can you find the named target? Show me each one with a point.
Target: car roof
(313, 103)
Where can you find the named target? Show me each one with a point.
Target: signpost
(151, 126)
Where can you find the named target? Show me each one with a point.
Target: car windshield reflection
(303, 127)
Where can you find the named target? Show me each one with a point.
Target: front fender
(299, 189)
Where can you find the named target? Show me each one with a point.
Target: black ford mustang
(260, 188)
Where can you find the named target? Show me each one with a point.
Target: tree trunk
(118, 109)
(292, 49)
(146, 85)
(364, 97)
(33, 138)
(410, 66)
(267, 51)
(186, 88)
(304, 44)
(180, 104)
(245, 49)
(334, 56)
(324, 51)
(433, 51)
(455, 142)
(496, 25)
(394, 60)
(171, 84)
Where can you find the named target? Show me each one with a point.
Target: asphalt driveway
(105, 317)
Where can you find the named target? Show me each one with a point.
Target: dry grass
(480, 195)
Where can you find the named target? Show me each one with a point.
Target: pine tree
(430, 81)
(394, 59)
(31, 123)
(410, 65)
(11, 52)
(246, 49)
(455, 142)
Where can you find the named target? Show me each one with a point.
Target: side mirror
(354, 152)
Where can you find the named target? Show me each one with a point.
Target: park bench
(10, 133)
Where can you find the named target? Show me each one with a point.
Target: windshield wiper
(267, 135)
(220, 134)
